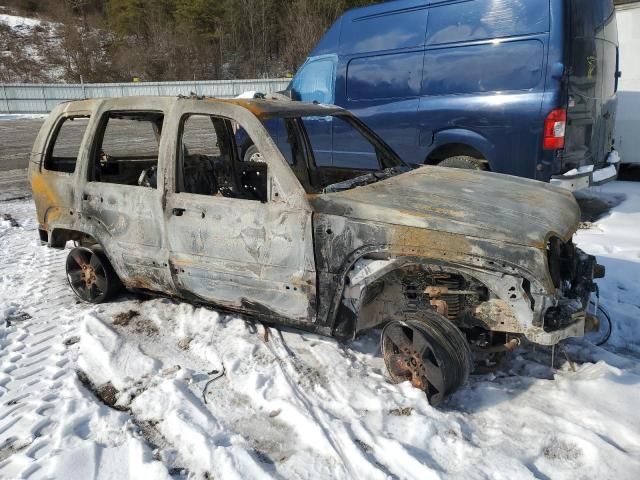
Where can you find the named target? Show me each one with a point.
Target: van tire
(251, 154)
(465, 162)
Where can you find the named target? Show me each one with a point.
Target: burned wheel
(430, 352)
(90, 275)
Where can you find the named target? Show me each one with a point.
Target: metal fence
(42, 98)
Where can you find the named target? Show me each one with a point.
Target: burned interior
(238, 205)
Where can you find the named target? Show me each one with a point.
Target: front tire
(91, 276)
(430, 352)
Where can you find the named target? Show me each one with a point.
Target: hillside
(117, 40)
(30, 50)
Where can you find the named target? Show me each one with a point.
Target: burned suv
(456, 265)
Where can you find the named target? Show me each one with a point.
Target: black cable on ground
(210, 381)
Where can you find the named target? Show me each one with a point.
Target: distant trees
(116, 40)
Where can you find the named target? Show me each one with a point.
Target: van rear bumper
(585, 177)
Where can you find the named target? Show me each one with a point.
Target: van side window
(62, 153)
(397, 76)
(385, 31)
(314, 82)
(483, 19)
(208, 161)
(506, 66)
(127, 148)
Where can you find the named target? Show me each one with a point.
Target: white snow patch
(250, 94)
(604, 174)
(299, 405)
(22, 116)
(108, 357)
(14, 21)
(131, 460)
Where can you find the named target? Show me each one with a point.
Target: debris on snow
(122, 319)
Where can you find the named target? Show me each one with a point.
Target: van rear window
(495, 67)
(396, 76)
(485, 19)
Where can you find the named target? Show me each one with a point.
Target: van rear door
(592, 81)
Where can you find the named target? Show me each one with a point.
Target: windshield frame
(316, 178)
(378, 143)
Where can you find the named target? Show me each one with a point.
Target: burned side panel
(128, 222)
(352, 255)
(245, 256)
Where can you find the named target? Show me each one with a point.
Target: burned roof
(261, 108)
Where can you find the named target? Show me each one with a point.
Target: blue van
(522, 87)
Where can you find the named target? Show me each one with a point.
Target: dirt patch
(144, 326)
(107, 393)
(562, 451)
(586, 225)
(10, 448)
(8, 218)
(401, 412)
(365, 447)
(71, 341)
(184, 342)
(16, 316)
(132, 318)
(122, 319)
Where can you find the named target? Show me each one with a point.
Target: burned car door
(120, 199)
(234, 240)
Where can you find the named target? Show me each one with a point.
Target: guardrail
(42, 98)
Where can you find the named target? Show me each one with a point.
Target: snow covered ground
(22, 116)
(197, 394)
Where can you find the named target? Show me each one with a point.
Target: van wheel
(252, 154)
(429, 351)
(465, 162)
(91, 276)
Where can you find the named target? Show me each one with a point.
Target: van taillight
(555, 126)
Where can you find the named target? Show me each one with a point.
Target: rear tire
(252, 154)
(464, 162)
(429, 351)
(91, 276)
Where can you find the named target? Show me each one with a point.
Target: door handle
(178, 212)
(88, 197)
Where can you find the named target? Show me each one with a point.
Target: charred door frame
(280, 278)
(138, 210)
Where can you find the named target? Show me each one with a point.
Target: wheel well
(452, 150)
(60, 236)
(245, 146)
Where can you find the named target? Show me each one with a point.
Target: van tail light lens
(555, 127)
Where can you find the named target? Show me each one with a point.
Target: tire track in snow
(34, 363)
(279, 349)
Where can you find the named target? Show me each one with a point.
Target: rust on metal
(330, 261)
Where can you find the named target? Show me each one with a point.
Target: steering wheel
(104, 157)
(148, 177)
